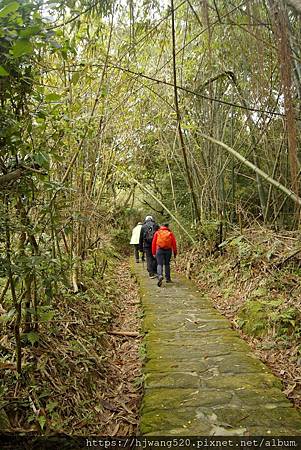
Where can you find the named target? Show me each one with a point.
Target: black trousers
(136, 252)
(151, 262)
(163, 259)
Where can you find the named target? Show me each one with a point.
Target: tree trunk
(180, 133)
(280, 28)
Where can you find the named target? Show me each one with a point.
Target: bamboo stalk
(252, 166)
(4, 290)
(180, 132)
(17, 305)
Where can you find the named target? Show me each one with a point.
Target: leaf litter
(123, 372)
(78, 379)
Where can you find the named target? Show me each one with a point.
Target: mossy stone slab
(269, 398)
(209, 367)
(184, 422)
(240, 382)
(172, 303)
(163, 308)
(174, 380)
(246, 417)
(184, 315)
(151, 323)
(189, 352)
(237, 363)
(171, 365)
(192, 343)
(206, 381)
(149, 292)
(176, 422)
(180, 335)
(169, 398)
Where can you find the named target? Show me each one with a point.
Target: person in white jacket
(135, 241)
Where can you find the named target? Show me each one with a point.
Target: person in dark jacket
(147, 233)
(163, 245)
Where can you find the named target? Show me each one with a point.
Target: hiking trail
(201, 378)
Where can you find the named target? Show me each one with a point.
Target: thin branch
(17, 174)
(190, 91)
(72, 19)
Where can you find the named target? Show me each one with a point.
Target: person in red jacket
(163, 245)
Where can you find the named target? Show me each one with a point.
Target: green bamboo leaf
(47, 315)
(42, 421)
(51, 406)
(41, 159)
(75, 78)
(30, 31)
(3, 72)
(22, 47)
(52, 97)
(8, 9)
(32, 337)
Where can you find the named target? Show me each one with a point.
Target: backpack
(164, 239)
(149, 233)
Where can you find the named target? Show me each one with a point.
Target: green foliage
(8, 9)
(288, 321)
(208, 230)
(21, 47)
(142, 351)
(42, 421)
(262, 317)
(121, 239)
(3, 72)
(253, 317)
(32, 337)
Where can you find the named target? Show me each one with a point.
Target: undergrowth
(63, 362)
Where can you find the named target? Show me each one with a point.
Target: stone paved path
(200, 377)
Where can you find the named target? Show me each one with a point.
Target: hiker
(135, 241)
(145, 244)
(164, 244)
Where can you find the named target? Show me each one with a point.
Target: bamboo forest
(150, 249)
